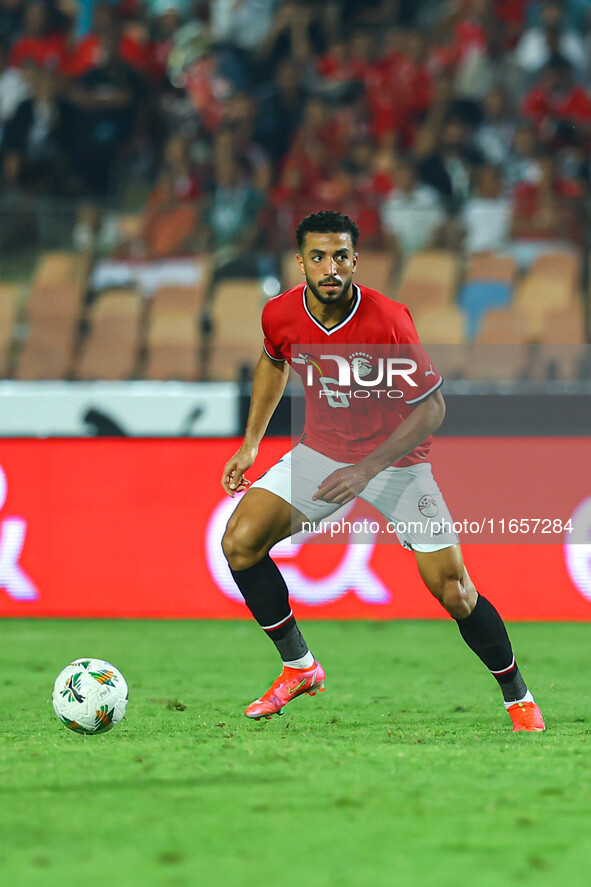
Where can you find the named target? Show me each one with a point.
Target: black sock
(485, 633)
(265, 592)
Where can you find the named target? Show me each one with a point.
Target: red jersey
(350, 412)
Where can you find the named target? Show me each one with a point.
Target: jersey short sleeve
(271, 333)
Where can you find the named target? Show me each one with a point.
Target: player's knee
(456, 599)
(240, 543)
(453, 595)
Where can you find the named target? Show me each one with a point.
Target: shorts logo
(428, 506)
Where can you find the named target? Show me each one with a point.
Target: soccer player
(390, 442)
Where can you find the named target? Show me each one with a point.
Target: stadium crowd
(464, 124)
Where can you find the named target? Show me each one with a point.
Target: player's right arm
(269, 383)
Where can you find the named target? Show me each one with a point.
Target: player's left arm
(345, 484)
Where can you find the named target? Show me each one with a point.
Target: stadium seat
(478, 297)
(508, 326)
(550, 285)
(564, 327)
(429, 278)
(490, 268)
(111, 348)
(449, 359)
(47, 352)
(562, 265)
(172, 338)
(561, 352)
(442, 325)
(9, 305)
(557, 361)
(501, 348)
(60, 268)
(490, 362)
(237, 338)
(374, 270)
(55, 300)
(290, 273)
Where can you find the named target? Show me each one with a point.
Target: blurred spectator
(471, 29)
(494, 136)
(242, 23)
(240, 121)
(164, 27)
(551, 37)
(449, 168)
(231, 229)
(14, 88)
(297, 32)
(373, 169)
(37, 140)
(544, 213)
(107, 98)
(11, 20)
(400, 90)
(486, 215)
(280, 110)
(240, 28)
(39, 42)
(410, 213)
(522, 166)
(170, 225)
(490, 66)
(88, 53)
(560, 109)
(314, 150)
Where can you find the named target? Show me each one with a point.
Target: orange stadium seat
(564, 326)
(111, 348)
(59, 268)
(375, 270)
(550, 285)
(9, 306)
(508, 326)
(290, 273)
(172, 338)
(47, 352)
(443, 325)
(237, 338)
(496, 362)
(429, 278)
(557, 361)
(490, 267)
(448, 359)
(561, 349)
(55, 300)
(563, 265)
(501, 349)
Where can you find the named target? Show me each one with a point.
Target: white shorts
(408, 498)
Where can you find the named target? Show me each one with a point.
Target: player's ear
(300, 262)
(354, 262)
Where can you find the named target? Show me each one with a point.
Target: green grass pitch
(404, 773)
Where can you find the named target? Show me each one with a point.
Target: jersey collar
(343, 322)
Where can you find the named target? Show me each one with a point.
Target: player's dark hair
(327, 222)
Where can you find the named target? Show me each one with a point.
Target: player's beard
(337, 299)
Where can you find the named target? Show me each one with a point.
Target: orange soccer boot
(292, 682)
(526, 716)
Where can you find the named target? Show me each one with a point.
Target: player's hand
(342, 485)
(233, 480)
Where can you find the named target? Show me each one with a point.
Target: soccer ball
(90, 696)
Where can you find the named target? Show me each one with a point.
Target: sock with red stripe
(485, 633)
(266, 595)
